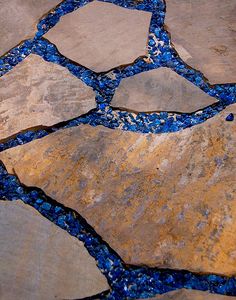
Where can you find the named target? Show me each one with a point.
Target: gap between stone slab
(47, 129)
(20, 138)
(99, 296)
(124, 110)
(118, 68)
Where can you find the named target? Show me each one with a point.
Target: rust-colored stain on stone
(160, 90)
(40, 261)
(18, 20)
(101, 36)
(204, 34)
(37, 92)
(160, 200)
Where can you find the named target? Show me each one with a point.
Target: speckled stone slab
(160, 200)
(191, 295)
(204, 34)
(37, 92)
(160, 89)
(18, 20)
(101, 36)
(40, 261)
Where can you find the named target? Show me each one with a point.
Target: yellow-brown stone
(160, 200)
(40, 261)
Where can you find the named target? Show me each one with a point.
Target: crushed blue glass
(230, 117)
(126, 281)
(15, 56)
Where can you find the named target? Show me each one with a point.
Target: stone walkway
(118, 149)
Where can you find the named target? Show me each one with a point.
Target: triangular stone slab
(37, 93)
(160, 90)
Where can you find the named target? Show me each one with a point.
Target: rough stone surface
(101, 36)
(160, 89)
(18, 20)
(39, 261)
(161, 200)
(191, 295)
(37, 92)
(204, 34)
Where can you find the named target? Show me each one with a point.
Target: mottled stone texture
(40, 261)
(204, 34)
(160, 89)
(101, 36)
(37, 92)
(18, 20)
(191, 295)
(161, 200)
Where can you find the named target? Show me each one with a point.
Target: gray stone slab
(160, 90)
(204, 34)
(18, 20)
(40, 261)
(37, 93)
(101, 36)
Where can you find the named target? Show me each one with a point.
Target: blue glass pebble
(230, 117)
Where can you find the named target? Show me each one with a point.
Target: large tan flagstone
(161, 200)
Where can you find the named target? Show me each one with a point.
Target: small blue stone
(57, 209)
(61, 221)
(46, 206)
(39, 201)
(230, 117)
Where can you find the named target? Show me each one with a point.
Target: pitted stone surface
(160, 89)
(18, 20)
(191, 295)
(101, 36)
(159, 200)
(39, 261)
(37, 92)
(204, 34)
